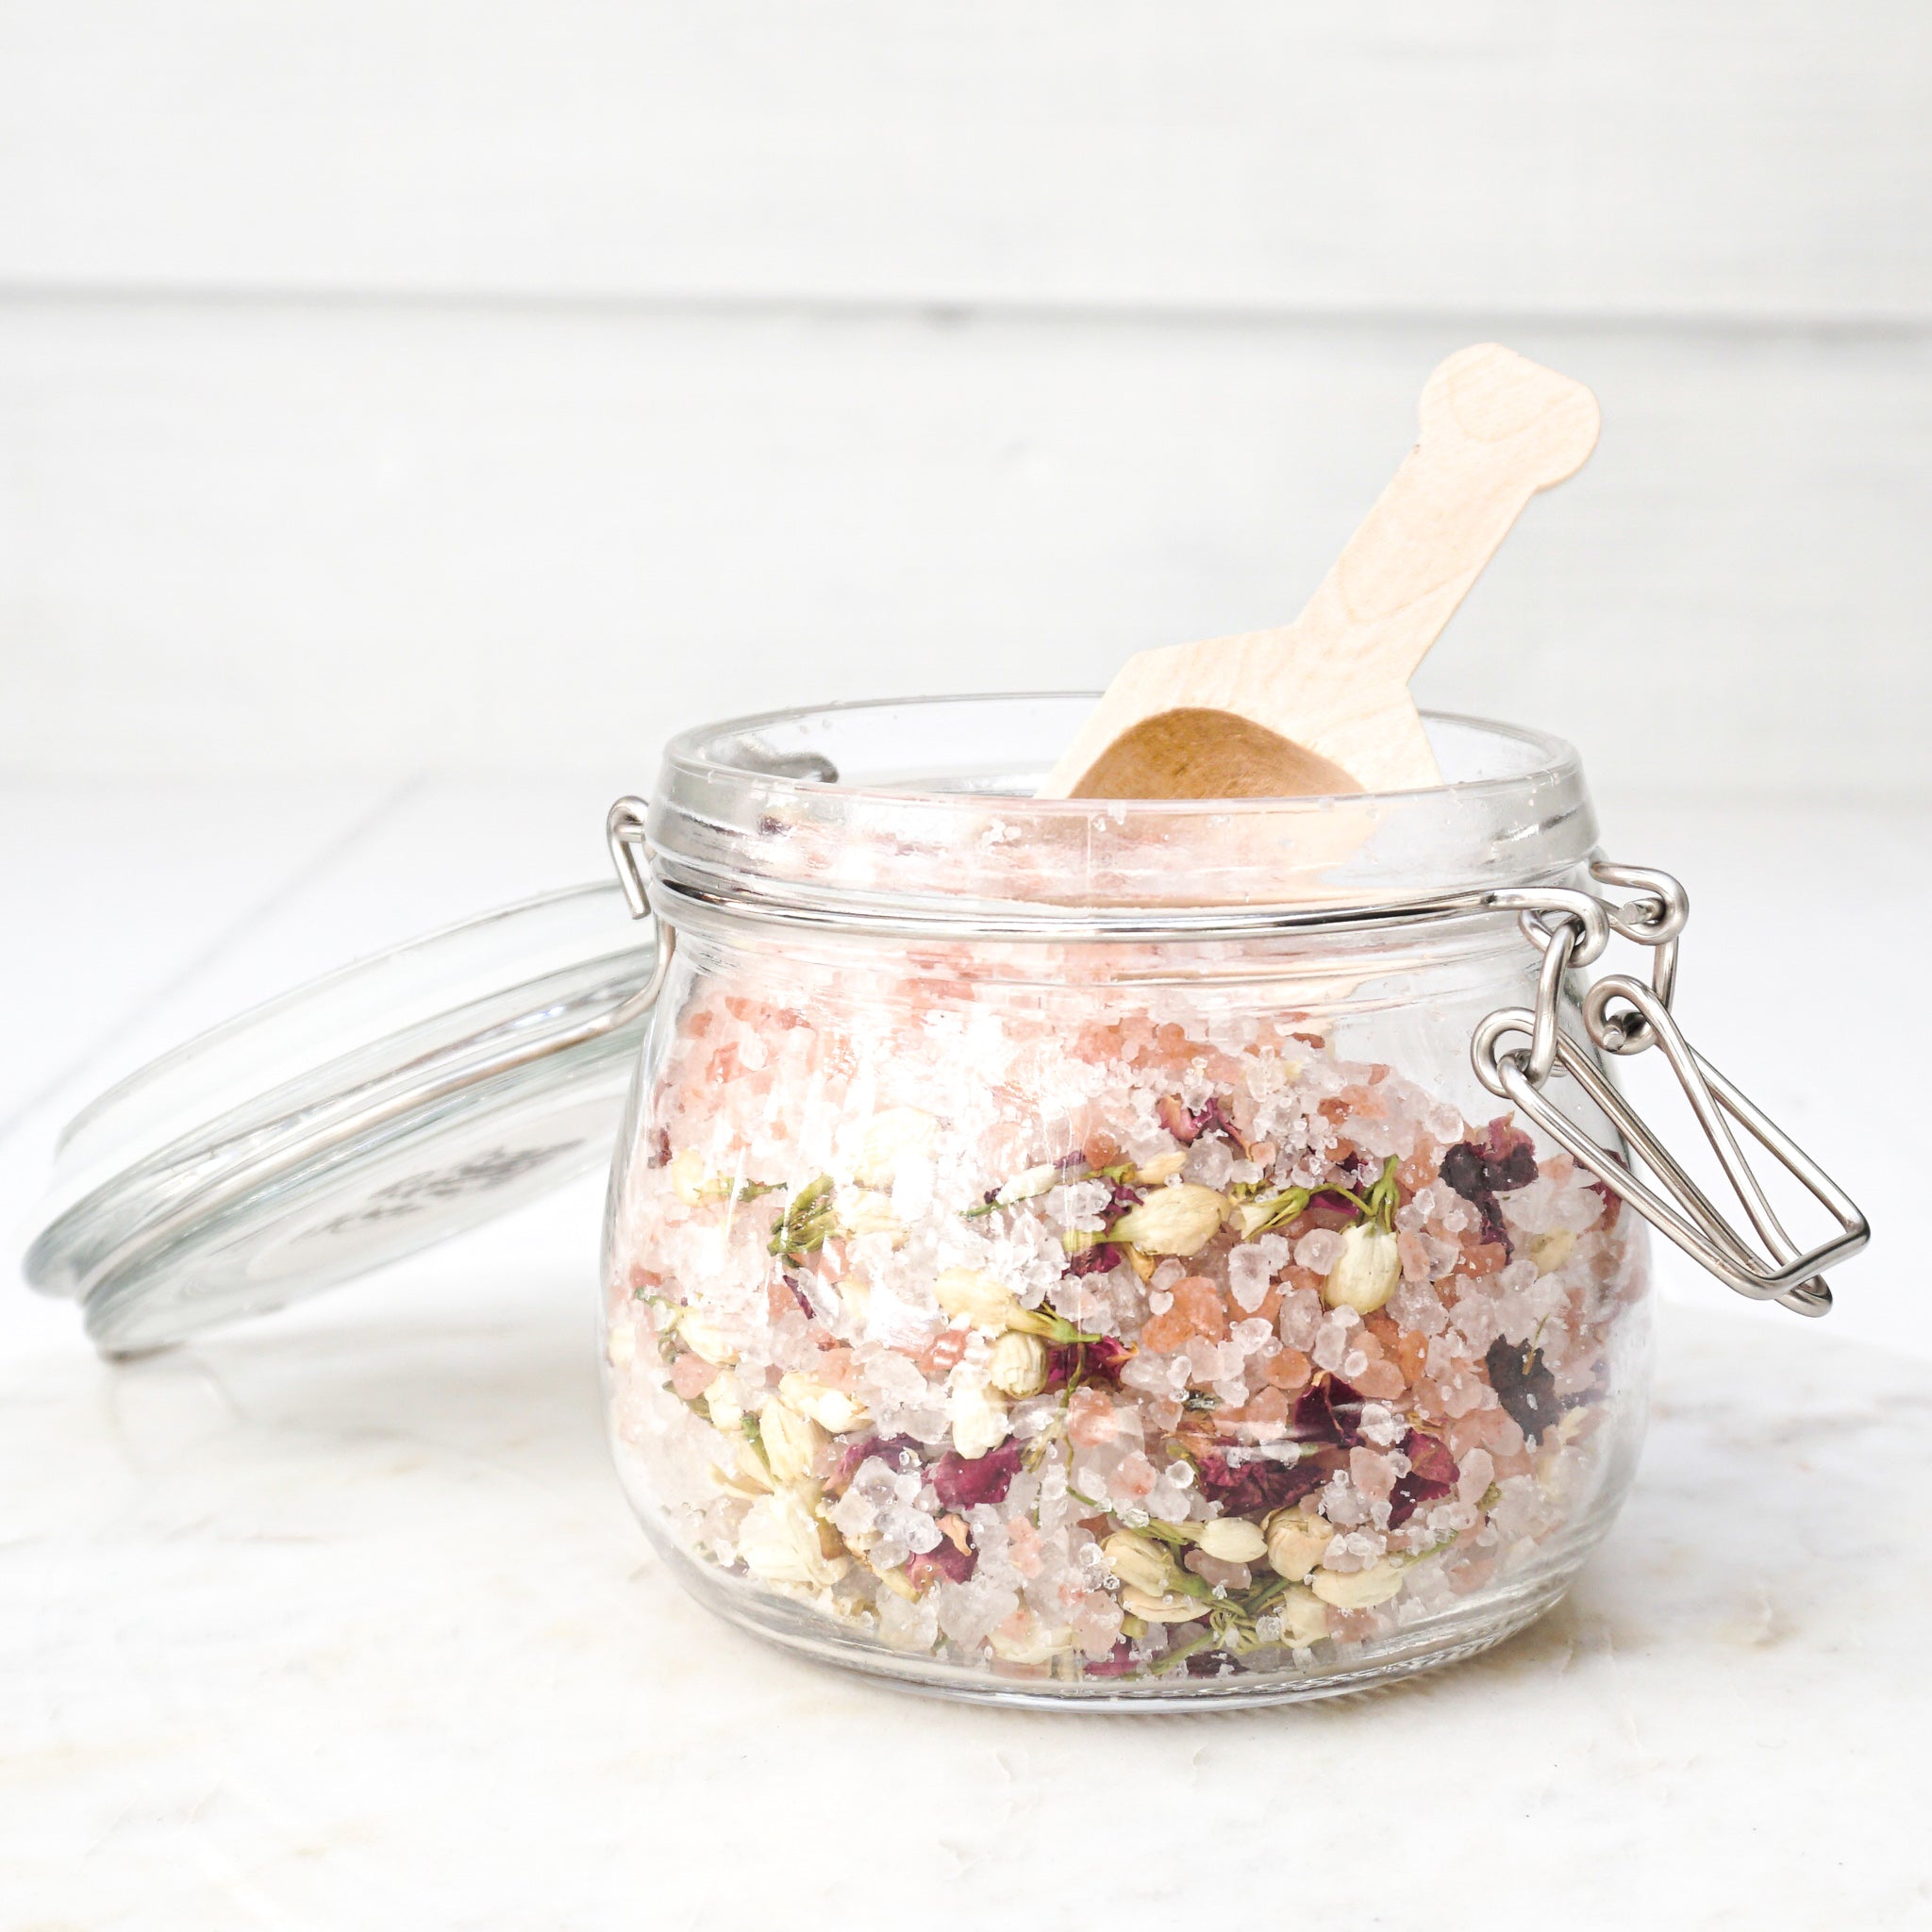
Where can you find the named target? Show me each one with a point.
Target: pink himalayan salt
(1381, 1380)
(1373, 1475)
(1090, 1418)
(1024, 1546)
(1134, 1478)
(693, 1375)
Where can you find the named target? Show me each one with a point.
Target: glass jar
(1099, 1254)
(1064, 1252)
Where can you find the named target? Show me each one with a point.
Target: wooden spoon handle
(1495, 429)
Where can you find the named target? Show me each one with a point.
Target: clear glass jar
(1062, 1252)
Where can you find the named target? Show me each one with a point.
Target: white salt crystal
(1247, 1277)
(906, 1523)
(1212, 1163)
(854, 1514)
(1331, 1347)
(1253, 1334)
(1301, 1317)
(1318, 1250)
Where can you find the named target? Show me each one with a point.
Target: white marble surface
(337, 1620)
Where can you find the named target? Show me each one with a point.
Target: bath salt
(952, 1336)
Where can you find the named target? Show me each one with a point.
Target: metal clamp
(1778, 1271)
(626, 831)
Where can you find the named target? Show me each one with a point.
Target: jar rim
(918, 814)
(700, 751)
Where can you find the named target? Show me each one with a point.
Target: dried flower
(1140, 1563)
(831, 1409)
(1098, 1359)
(895, 1452)
(780, 1541)
(1499, 1159)
(1523, 1386)
(1253, 1483)
(1366, 1275)
(944, 1559)
(982, 1299)
(1178, 1219)
(703, 1337)
(1094, 1261)
(1188, 1128)
(1550, 1251)
(1163, 1167)
(1232, 1539)
(1303, 1617)
(1034, 1643)
(749, 1475)
(868, 1213)
(1296, 1543)
(962, 1481)
(1274, 1210)
(1330, 1411)
(725, 1402)
(1019, 1366)
(979, 1418)
(792, 1441)
(1024, 1187)
(808, 1219)
(1431, 1476)
(1167, 1608)
(1359, 1589)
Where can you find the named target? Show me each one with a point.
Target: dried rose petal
(1116, 1663)
(960, 1481)
(1430, 1459)
(1213, 1119)
(1094, 1261)
(1431, 1476)
(1176, 1120)
(1328, 1411)
(1464, 1169)
(1499, 1159)
(1091, 1361)
(947, 1560)
(1508, 1153)
(891, 1450)
(1523, 1386)
(1253, 1485)
(1123, 1198)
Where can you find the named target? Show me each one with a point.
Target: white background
(492, 385)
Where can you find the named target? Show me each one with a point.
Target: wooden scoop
(1322, 705)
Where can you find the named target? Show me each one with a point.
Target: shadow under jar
(1062, 1252)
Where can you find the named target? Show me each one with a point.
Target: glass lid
(360, 1118)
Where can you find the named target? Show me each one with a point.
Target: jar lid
(368, 1114)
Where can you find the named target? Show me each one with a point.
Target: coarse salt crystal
(1318, 1250)
(1247, 1277)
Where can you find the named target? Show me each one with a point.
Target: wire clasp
(1624, 1016)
